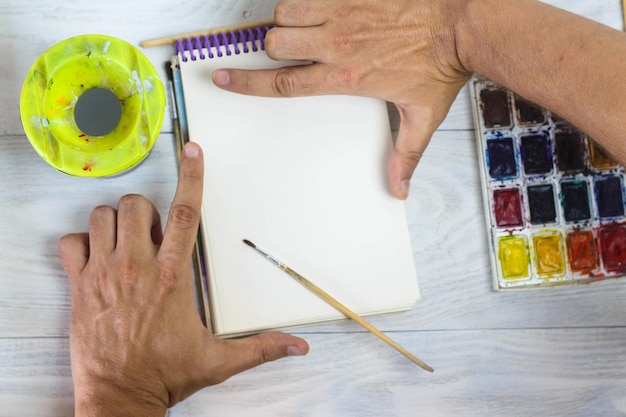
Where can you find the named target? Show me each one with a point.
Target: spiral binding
(220, 44)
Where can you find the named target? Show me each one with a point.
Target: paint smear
(528, 113)
(536, 154)
(613, 248)
(598, 158)
(501, 157)
(541, 203)
(508, 207)
(549, 256)
(570, 151)
(513, 255)
(609, 197)
(582, 251)
(575, 200)
(495, 108)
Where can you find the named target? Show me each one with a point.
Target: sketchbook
(304, 178)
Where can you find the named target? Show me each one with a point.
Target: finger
(236, 356)
(137, 218)
(413, 137)
(74, 253)
(295, 44)
(102, 230)
(182, 224)
(291, 81)
(302, 12)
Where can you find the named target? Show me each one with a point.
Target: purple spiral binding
(218, 45)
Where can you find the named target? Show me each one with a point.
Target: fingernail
(191, 150)
(221, 78)
(294, 351)
(404, 187)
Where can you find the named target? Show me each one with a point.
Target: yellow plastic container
(62, 75)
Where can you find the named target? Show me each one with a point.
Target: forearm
(566, 63)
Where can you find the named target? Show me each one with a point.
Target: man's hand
(136, 340)
(402, 51)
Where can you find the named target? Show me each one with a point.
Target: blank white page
(306, 180)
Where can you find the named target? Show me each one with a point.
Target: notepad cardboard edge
(181, 137)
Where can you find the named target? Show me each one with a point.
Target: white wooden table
(556, 352)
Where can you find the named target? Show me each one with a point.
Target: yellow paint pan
(108, 83)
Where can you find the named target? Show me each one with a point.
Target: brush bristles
(247, 242)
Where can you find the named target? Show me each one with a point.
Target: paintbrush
(333, 302)
(168, 40)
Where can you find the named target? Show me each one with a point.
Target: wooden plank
(548, 352)
(508, 373)
(445, 219)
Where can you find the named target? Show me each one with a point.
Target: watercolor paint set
(554, 200)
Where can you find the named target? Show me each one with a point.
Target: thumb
(239, 355)
(413, 136)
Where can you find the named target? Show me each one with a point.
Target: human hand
(402, 51)
(137, 344)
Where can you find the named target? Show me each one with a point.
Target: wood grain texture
(528, 372)
(554, 352)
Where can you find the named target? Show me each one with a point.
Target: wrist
(446, 35)
(105, 400)
(470, 31)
